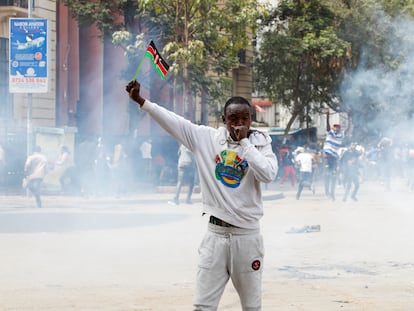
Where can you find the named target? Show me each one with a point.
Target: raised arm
(328, 125)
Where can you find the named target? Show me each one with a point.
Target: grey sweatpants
(229, 253)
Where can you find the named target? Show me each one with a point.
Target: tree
(201, 40)
(104, 13)
(300, 57)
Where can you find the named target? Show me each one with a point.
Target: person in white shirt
(304, 161)
(146, 155)
(186, 174)
(232, 163)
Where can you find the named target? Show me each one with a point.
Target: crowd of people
(340, 161)
(336, 162)
(97, 168)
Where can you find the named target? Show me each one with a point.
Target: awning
(258, 108)
(258, 103)
(261, 102)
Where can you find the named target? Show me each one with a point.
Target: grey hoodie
(230, 172)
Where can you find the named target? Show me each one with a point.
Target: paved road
(126, 253)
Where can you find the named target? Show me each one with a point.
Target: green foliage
(351, 55)
(134, 47)
(102, 13)
(301, 57)
(310, 54)
(200, 38)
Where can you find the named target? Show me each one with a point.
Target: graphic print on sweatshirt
(230, 168)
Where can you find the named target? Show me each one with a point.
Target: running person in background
(35, 170)
(350, 169)
(232, 163)
(333, 142)
(304, 161)
(186, 174)
(288, 164)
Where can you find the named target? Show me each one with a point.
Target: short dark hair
(236, 100)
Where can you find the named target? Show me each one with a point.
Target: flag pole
(138, 69)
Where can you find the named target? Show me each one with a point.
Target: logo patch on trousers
(256, 265)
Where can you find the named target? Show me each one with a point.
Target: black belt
(219, 222)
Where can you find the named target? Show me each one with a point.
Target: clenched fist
(133, 88)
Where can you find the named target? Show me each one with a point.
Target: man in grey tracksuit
(232, 162)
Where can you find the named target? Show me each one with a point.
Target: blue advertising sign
(28, 55)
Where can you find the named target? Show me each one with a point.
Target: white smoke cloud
(386, 90)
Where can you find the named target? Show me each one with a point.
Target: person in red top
(287, 162)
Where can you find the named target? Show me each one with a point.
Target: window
(19, 3)
(5, 103)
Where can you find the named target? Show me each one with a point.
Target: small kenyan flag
(160, 64)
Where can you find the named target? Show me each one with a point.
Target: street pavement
(125, 253)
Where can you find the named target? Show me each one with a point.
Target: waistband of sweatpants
(232, 230)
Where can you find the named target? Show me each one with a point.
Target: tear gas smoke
(381, 96)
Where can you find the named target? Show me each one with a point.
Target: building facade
(86, 96)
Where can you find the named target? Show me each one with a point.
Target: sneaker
(188, 202)
(174, 203)
(354, 198)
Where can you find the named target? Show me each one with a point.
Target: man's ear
(224, 119)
